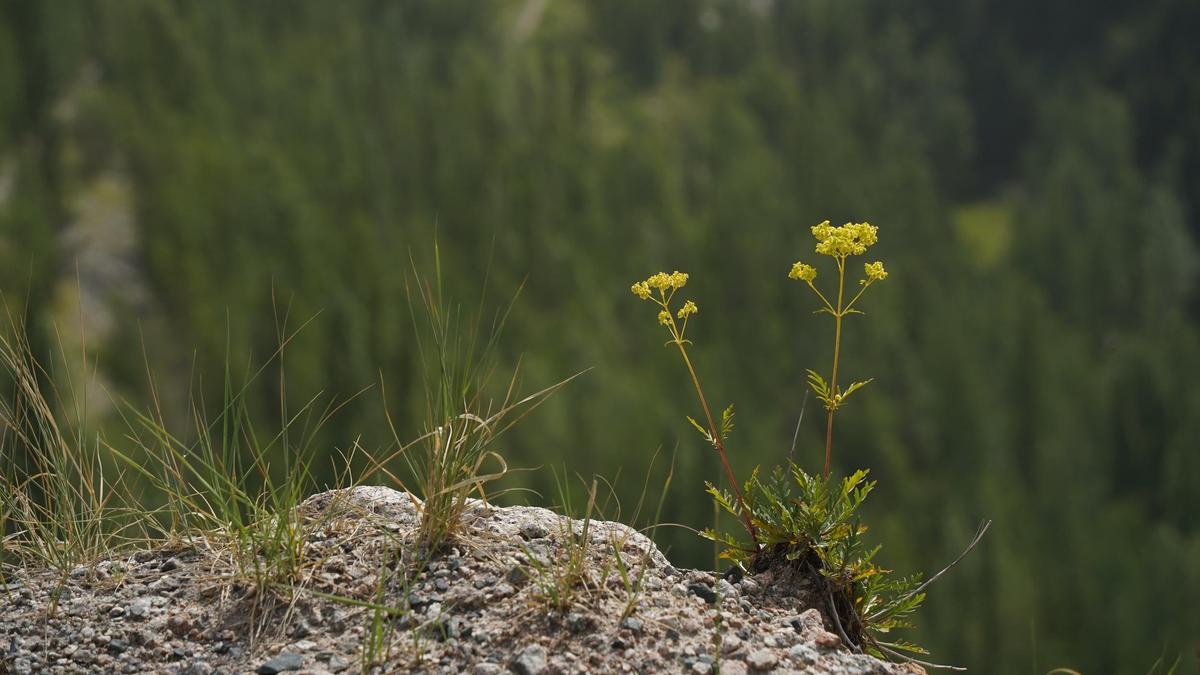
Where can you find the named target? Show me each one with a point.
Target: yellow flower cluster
(661, 282)
(841, 243)
(874, 271)
(847, 240)
(805, 273)
(666, 285)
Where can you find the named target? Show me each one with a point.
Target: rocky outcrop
(520, 590)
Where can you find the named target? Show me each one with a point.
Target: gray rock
(282, 663)
(762, 660)
(138, 609)
(730, 644)
(117, 646)
(807, 622)
(578, 622)
(531, 661)
(532, 530)
(517, 575)
(463, 604)
(733, 668)
(704, 592)
(803, 654)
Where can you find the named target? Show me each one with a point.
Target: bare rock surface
(365, 600)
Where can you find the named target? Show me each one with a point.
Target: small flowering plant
(793, 518)
(660, 289)
(838, 243)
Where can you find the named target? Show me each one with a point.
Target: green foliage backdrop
(182, 175)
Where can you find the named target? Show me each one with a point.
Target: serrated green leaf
(818, 384)
(855, 387)
(727, 421)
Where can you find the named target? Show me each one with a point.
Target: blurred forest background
(167, 168)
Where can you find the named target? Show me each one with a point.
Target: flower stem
(837, 349)
(719, 443)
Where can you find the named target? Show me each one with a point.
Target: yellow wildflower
(822, 231)
(661, 282)
(805, 273)
(664, 317)
(689, 308)
(874, 271)
(849, 239)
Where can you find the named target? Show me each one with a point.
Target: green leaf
(727, 421)
(855, 387)
(906, 646)
(703, 432)
(819, 387)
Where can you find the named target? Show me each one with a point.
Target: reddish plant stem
(720, 446)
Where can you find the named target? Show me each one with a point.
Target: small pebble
(531, 530)
(733, 668)
(282, 663)
(138, 609)
(531, 661)
(703, 592)
(762, 660)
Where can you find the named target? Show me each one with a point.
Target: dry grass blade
(61, 505)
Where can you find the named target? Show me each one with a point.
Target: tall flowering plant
(839, 243)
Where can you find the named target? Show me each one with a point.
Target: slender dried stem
(719, 444)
